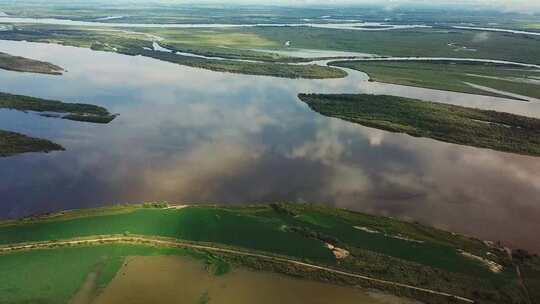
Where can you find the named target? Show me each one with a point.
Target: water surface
(165, 279)
(194, 136)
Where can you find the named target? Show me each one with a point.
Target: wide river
(194, 136)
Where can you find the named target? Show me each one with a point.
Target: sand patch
(494, 267)
(339, 253)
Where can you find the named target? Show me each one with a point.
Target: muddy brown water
(173, 279)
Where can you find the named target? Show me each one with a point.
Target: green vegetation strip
(449, 123)
(76, 111)
(308, 71)
(21, 64)
(216, 264)
(451, 76)
(429, 42)
(134, 44)
(379, 248)
(12, 143)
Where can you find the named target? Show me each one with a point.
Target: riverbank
(292, 239)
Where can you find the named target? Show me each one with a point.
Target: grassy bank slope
(444, 122)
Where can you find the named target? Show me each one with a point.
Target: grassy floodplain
(431, 42)
(21, 64)
(378, 247)
(450, 76)
(129, 43)
(449, 123)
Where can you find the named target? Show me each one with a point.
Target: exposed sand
(339, 253)
(494, 267)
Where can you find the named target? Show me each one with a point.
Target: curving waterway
(195, 136)
(493, 29)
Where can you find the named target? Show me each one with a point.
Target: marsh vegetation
(449, 123)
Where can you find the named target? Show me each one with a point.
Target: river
(361, 26)
(188, 135)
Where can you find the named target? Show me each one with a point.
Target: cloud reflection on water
(189, 135)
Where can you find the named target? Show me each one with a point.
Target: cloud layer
(526, 6)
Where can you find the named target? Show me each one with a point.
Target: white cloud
(527, 6)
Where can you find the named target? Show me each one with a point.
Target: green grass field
(451, 76)
(194, 224)
(254, 43)
(449, 123)
(390, 249)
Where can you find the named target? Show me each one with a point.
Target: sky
(522, 6)
(525, 6)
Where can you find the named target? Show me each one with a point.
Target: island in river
(21, 64)
(449, 123)
(71, 111)
(12, 143)
(90, 251)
